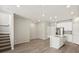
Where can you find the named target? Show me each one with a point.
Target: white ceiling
(34, 12)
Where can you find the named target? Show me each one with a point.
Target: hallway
(42, 46)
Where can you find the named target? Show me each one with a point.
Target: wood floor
(42, 46)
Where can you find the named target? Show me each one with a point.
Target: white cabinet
(56, 42)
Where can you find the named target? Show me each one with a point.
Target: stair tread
(4, 33)
(5, 48)
(5, 41)
(4, 44)
(4, 38)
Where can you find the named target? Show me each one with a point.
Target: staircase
(4, 42)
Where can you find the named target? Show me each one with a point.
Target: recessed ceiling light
(43, 14)
(68, 6)
(50, 17)
(72, 12)
(18, 6)
(55, 17)
(38, 20)
(32, 25)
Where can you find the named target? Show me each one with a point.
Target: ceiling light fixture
(68, 6)
(50, 17)
(38, 20)
(72, 12)
(55, 17)
(32, 25)
(18, 6)
(43, 14)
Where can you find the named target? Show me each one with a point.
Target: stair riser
(4, 36)
(2, 42)
(4, 33)
(1, 50)
(4, 45)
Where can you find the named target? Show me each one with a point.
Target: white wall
(21, 30)
(41, 30)
(48, 31)
(76, 31)
(33, 31)
(4, 20)
(44, 30)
